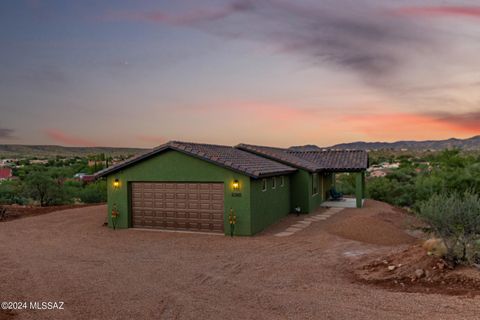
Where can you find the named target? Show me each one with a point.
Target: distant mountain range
(47, 151)
(465, 144)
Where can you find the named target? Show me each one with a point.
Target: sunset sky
(138, 73)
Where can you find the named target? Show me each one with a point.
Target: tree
(40, 186)
(47, 187)
(455, 218)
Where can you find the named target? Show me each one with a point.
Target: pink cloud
(413, 126)
(466, 11)
(65, 139)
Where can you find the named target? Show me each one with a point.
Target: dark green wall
(302, 189)
(326, 184)
(300, 186)
(271, 205)
(173, 166)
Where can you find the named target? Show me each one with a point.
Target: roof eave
(270, 157)
(165, 147)
(273, 174)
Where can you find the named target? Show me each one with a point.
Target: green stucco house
(202, 187)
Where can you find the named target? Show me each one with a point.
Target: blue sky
(138, 73)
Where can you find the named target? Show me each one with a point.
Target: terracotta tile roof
(324, 160)
(281, 155)
(336, 160)
(224, 156)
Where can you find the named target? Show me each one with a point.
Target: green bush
(94, 192)
(10, 193)
(455, 218)
(345, 183)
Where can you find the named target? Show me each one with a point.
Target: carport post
(360, 188)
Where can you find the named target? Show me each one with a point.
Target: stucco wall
(299, 185)
(302, 191)
(271, 205)
(173, 166)
(326, 183)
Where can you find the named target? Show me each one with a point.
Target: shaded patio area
(342, 203)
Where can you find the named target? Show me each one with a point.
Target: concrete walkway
(300, 225)
(343, 203)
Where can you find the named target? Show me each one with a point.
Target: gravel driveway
(131, 274)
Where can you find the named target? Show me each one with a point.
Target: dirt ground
(18, 211)
(134, 274)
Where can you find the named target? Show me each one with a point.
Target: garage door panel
(217, 197)
(216, 206)
(159, 204)
(192, 205)
(193, 196)
(178, 206)
(181, 196)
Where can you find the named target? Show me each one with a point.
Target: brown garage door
(178, 206)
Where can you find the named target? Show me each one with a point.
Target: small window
(315, 184)
(264, 184)
(282, 181)
(274, 182)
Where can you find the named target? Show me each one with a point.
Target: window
(274, 182)
(315, 184)
(282, 181)
(264, 184)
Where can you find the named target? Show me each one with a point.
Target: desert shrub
(94, 192)
(10, 193)
(346, 183)
(455, 218)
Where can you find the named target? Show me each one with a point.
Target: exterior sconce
(236, 185)
(116, 184)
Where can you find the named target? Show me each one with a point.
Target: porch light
(236, 185)
(116, 184)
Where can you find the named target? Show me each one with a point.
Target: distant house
(93, 163)
(378, 174)
(196, 187)
(79, 175)
(4, 162)
(83, 177)
(39, 161)
(87, 178)
(5, 173)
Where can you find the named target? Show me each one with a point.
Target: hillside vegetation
(49, 151)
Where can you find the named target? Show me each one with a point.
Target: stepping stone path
(300, 225)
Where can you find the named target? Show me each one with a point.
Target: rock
(385, 262)
(391, 268)
(435, 247)
(399, 265)
(419, 273)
